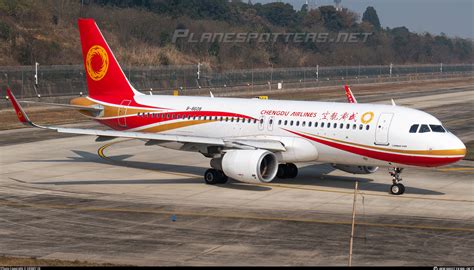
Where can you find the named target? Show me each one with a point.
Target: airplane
(256, 140)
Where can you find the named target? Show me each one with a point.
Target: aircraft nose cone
(459, 147)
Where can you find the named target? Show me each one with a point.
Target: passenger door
(271, 121)
(261, 122)
(122, 121)
(382, 129)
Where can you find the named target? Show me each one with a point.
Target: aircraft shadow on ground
(317, 175)
(314, 175)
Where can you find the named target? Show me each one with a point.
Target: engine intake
(250, 166)
(356, 169)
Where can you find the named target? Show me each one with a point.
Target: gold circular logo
(96, 69)
(367, 117)
(20, 115)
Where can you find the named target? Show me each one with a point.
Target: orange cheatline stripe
(447, 152)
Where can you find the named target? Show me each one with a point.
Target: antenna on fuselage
(393, 102)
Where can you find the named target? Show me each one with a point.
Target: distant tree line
(32, 30)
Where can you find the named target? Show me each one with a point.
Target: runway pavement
(123, 202)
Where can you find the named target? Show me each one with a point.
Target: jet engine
(356, 169)
(250, 166)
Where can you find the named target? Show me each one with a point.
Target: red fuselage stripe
(390, 157)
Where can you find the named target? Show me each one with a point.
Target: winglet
(20, 113)
(349, 95)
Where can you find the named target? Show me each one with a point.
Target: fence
(69, 80)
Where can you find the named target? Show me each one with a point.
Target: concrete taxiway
(123, 202)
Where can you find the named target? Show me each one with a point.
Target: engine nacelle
(356, 169)
(251, 166)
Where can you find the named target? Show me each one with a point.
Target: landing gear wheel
(282, 171)
(213, 176)
(397, 189)
(292, 170)
(288, 170)
(222, 178)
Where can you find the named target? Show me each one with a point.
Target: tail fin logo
(97, 62)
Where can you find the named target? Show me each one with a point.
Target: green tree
(370, 16)
(331, 18)
(278, 13)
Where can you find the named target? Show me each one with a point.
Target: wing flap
(272, 145)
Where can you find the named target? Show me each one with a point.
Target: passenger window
(335, 125)
(354, 126)
(437, 128)
(414, 128)
(424, 129)
(367, 127)
(168, 115)
(291, 122)
(322, 124)
(303, 124)
(179, 116)
(341, 126)
(348, 126)
(297, 123)
(309, 124)
(361, 127)
(316, 124)
(270, 121)
(286, 122)
(279, 122)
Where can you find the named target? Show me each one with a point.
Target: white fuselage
(342, 133)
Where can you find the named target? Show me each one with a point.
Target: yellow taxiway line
(101, 153)
(253, 217)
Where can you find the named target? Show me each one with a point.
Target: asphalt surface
(71, 198)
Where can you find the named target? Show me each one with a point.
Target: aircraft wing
(97, 108)
(229, 143)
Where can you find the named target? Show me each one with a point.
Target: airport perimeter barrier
(69, 80)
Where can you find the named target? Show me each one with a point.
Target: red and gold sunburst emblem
(97, 62)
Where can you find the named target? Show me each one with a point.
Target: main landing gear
(213, 176)
(397, 188)
(288, 170)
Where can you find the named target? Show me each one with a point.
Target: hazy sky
(453, 17)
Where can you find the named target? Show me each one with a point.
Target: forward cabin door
(122, 121)
(271, 121)
(261, 122)
(382, 130)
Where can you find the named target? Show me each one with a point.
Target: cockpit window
(437, 128)
(424, 128)
(414, 128)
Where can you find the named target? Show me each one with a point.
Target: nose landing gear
(397, 188)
